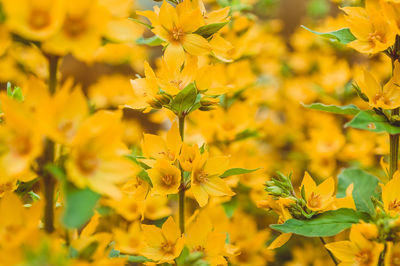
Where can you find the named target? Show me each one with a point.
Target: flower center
(395, 259)
(168, 180)
(167, 247)
(315, 200)
(169, 155)
(177, 34)
(364, 257)
(379, 97)
(394, 205)
(200, 177)
(87, 162)
(21, 145)
(376, 37)
(39, 19)
(74, 26)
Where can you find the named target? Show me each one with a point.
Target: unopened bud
(163, 99)
(208, 101)
(275, 191)
(207, 108)
(155, 104)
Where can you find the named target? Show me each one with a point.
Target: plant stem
(182, 187)
(330, 253)
(394, 150)
(48, 156)
(394, 139)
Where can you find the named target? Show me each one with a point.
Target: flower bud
(163, 99)
(208, 101)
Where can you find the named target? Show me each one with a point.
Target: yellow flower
(164, 177)
(20, 139)
(173, 77)
(34, 19)
(162, 244)
(145, 91)
(357, 251)
(205, 178)
(156, 147)
(61, 115)
(131, 241)
(391, 195)
(96, 158)
(81, 33)
(387, 97)
(320, 197)
(392, 255)
(187, 156)
(202, 238)
(374, 32)
(176, 26)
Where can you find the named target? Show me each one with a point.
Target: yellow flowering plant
(190, 132)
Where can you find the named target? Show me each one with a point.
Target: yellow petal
(280, 241)
(171, 230)
(195, 44)
(343, 250)
(200, 194)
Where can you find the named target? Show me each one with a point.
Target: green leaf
(329, 223)
(230, 207)
(152, 41)
(342, 110)
(136, 259)
(365, 186)
(180, 261)
(369, 120)
(237, 171)
(15, 93)
(79, 207)
(184, 100)
(208, 30)
(343, 35)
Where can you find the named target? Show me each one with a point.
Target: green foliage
(237, 171)
(365, 186)
(152, 41)
(371, 121)
(137, 259)
(343, 36)
(15, 93)
(318, 8)
(230, 206)
(79, 207)
(208, 30)
(184, 100)
(342, 110)
(329, 223)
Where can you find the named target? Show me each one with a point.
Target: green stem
(48, 156)
(182, 187)
(330, 253)
(394, 151)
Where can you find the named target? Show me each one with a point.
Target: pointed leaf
(237, 171)
(342, 110)
(152, 41)
(365, 186)
(184, 100)
(369, 120)
(79, 207)
(343, 35)
(207, 30)
(329, 223)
